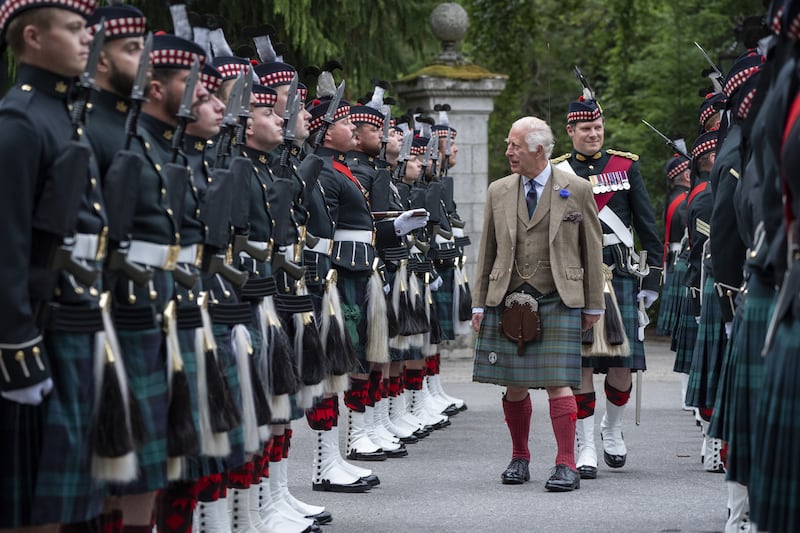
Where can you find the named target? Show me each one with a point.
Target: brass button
(96, 206)
(169, 211)
(158, 167)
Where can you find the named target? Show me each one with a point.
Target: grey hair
(538, 133)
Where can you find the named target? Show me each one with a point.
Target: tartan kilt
(685, 336)
(145, 362)
(709, 348)
(443, 298)
(65, 491)
(352, 288)
(775, 474)
(20, 449)
(227, 359)
(552, 361)
(735, 409)
(625, 289)
(670, 299)
(194, 466)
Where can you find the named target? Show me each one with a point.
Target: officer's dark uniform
(634, 209)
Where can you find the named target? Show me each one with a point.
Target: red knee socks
(563, 416)
(518, 420)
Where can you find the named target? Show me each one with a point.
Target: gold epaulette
(629, 155)
(561, 158)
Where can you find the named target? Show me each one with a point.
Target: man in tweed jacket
(541, 237)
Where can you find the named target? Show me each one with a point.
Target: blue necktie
(531, 199)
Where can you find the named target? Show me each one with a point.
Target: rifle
(178, 175)
(229, 124)
(244, 107)
(289, 122)
(667, 140)
(56, 212)
(402, 159)
(443, 109)
(714, 73)
(327, 120)
(387, 119)
(121, 181)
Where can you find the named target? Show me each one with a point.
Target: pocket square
(577, 216)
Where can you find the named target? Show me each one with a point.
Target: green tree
(376, 39)
(638, 55)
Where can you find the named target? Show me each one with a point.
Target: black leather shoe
(399, 452)
(451, 410)
(517, 472)
(614, 461)
(358, 485)
(587, 472)
(379, 455)
(411, 439)
(321, 518)
(372, 480)
(563, 479)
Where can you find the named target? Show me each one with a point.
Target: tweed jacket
(575, 247)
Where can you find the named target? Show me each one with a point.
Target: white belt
(258, 245)
(85, 246)
(415, 250)
(674, 247)
(610, 238)
(458, 232)
(442, 240)
(324, 246)
(163, 256)
(355, 235)
(190, 255)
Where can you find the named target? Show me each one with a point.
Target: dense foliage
(638, 55)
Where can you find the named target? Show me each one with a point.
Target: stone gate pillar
(470, 90)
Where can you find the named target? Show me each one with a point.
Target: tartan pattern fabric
(625, 288)
(20, 448)
(734, 417)
(774, 485)
(222, 336)
(352, 288)
(196, 466)
(670, 299)
(685, 335)
(443, 298)
(145, 363)
(709, 347)
(554, 360)
(65, 491)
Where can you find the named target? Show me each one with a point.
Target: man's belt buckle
(198, 258)
(171, 262)
(102, 245)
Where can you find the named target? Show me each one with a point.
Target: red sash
(344, 169)
(615, 164)
(794, 115)
(673, 206)
(697, 190)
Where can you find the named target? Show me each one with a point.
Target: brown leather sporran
(520, 321)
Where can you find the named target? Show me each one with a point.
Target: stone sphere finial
(449, 24)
